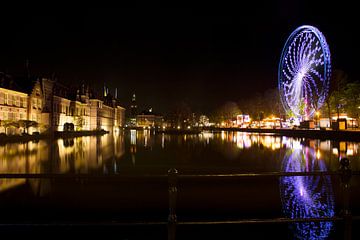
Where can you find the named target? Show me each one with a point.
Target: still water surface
(233, 151)
(138, 152)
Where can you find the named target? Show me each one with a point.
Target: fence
(344, 173)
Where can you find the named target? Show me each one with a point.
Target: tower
(133, 111)
(133, 107)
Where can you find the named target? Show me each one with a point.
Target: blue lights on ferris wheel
(304, 72)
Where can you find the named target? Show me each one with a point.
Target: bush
(3, 135)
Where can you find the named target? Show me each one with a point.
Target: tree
(8, 123)
(226, 112)
(26, 124)
(335, 101)
(352, 99)
(272, 103)
(180, 115)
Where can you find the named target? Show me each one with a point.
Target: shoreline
(337, 135)
(340, 135)
(54, 135)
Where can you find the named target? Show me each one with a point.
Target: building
(51, 106)
(149, 119)
(133, 111)
(13, 104)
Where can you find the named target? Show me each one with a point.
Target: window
(6, 98)
(34, 103)
(9, 100)
(22, 102)
(11, 116)
(17, 101)
(2, 98)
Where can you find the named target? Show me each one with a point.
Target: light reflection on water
(307, 196)
(247, 152)
(301, 196)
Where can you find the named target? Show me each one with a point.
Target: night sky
(202, 57)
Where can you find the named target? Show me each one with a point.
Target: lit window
(1, 98)
(9, 100)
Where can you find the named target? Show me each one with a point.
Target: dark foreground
(138, 208)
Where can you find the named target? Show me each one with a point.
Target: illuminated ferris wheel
(304, 72)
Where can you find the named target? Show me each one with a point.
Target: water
(133, 197)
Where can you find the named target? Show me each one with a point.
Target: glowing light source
(304, 71)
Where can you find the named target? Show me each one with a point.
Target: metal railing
(345, 174)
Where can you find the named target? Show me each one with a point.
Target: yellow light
(188, 127)
(350, 152)
(335, 151)
(178, 127)
(318, 155)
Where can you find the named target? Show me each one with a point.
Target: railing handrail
(180, 175)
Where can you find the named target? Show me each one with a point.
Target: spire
(104, 90)
(116, 96)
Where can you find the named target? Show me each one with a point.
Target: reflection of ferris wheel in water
(304, 71)
(307, 196)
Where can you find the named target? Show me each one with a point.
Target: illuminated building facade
(149, 119)
(55, 107)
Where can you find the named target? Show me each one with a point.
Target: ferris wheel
(304, 72)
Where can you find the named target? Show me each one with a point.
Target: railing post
(172, 219)
(345, 176)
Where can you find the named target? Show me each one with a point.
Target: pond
(129, 193)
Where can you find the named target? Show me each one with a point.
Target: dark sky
(168, 55)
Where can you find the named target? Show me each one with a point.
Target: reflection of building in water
(306, 196)
(133, 135)
(21, 158)
(206, 136)
(246, 140)
(89, 153)
(345, 149)
(80, 155)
